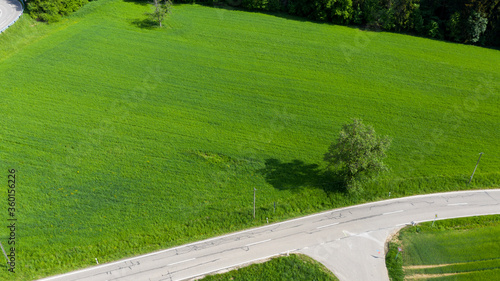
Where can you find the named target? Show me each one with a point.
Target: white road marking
(457, 204)
(389, 213)
(181, 261)
(319, 227)
(251, 244)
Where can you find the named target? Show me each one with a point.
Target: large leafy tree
(358, 153)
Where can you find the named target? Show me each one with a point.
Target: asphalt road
(9, 11)
(349, 241)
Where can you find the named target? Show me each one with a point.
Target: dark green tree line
(463, 21)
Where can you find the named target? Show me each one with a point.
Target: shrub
(52, 10)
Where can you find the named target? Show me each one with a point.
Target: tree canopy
(358, 152)
(161, 9)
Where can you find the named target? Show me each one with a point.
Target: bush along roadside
(52, 10)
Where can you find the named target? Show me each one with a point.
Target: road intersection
(349, 241)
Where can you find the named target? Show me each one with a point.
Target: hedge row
(52, 10)
(463, 21)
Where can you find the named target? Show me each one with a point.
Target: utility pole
(254, 202)
(480, 154)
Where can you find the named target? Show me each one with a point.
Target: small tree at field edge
(161, 9)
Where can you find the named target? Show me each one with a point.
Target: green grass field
(458, 249)
(127, 139)
(293, 267)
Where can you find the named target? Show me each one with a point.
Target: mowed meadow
(457, 249)
(127, 139)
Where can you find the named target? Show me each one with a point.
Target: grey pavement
(10, 10)
(349, 241)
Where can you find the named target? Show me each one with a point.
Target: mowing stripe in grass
(427, 276)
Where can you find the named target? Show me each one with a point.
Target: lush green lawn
(128, 139)
(293, 267)
(469, 249)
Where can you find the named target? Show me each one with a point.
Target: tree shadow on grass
(139, 2)
(235, 5)
(297, 174)
(145, 23)
(142, 23)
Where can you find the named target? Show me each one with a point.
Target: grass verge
(293, 267)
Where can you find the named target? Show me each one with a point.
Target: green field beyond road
(459, 249)
(293, 267)
(127, 139)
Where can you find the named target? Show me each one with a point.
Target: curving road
(10, 10)
(349, 241)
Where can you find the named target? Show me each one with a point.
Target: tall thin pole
(254, 202)
(480, 154)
